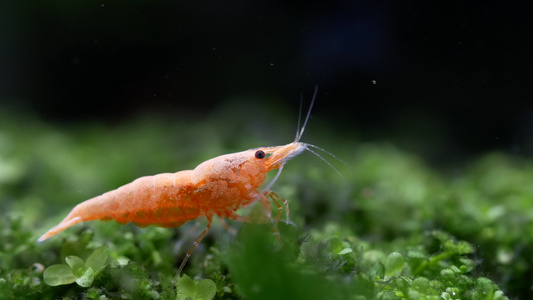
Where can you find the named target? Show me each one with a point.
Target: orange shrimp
(219, 186)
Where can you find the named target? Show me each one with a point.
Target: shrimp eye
(260, 154)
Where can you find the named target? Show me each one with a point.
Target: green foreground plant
(393, 229)
(77, 270)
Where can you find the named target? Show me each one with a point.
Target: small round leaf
(58, 275)
(86, 279)
(206, 289)
(76, 264)
(394, 264)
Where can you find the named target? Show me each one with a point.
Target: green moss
(393, 229)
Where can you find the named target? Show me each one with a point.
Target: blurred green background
(426, 104)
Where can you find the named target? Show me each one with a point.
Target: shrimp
(219, 186)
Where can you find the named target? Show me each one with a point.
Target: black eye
(260, 154)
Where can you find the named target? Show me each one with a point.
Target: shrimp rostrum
(219, 186)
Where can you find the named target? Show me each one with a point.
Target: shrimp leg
(191, 250)
(267, 217)
(274, 197)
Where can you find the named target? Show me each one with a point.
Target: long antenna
(327, 152)
(299, 134)
(327, 162)
(296, 138)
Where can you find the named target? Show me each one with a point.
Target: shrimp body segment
(218, 186)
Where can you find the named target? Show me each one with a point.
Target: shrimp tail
(97, 208)
(74, 217)
(66, 223)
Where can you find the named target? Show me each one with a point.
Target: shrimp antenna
(327, 162)
(299, 117)
(301, 132)
(327, 152)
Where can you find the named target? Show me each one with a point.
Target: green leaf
(394, 264)
(447, 274)
(185, 287)
(335, 244)
(464, 248)
(58, 275)
(98, 259)
(189, 289)
(376, 270)
(76, 264)
(206, 289)
(345, 251)
(421, 284)
(86, 279)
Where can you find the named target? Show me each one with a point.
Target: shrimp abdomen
(161, 200)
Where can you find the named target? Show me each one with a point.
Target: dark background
(449, 75)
